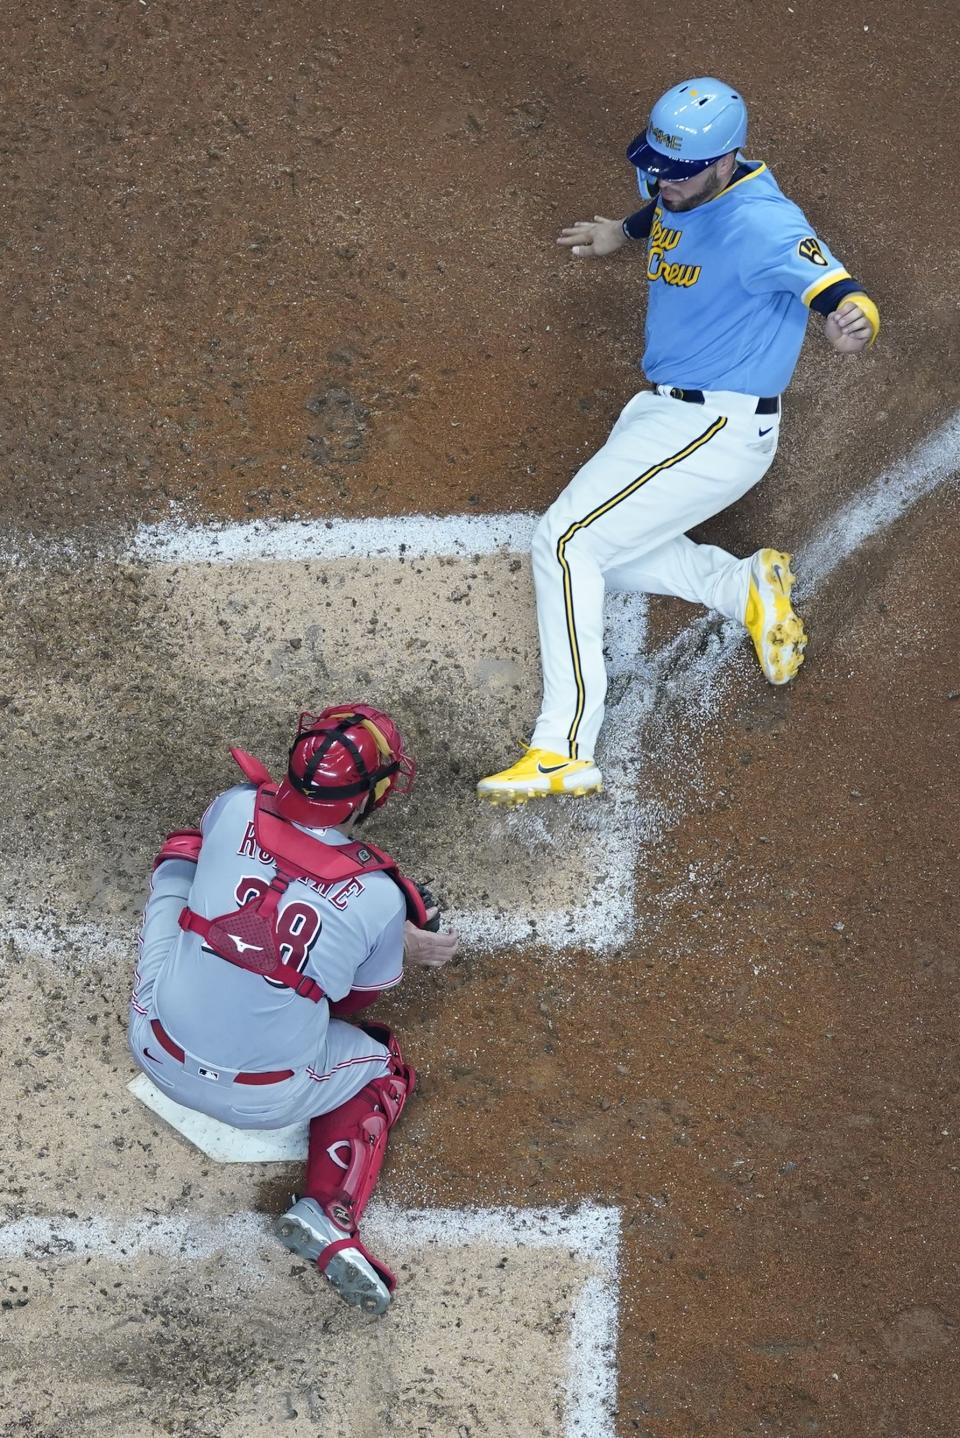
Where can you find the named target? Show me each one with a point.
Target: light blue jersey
(730, 283)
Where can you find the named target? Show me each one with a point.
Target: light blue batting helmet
(690, 127)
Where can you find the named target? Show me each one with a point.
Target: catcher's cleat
(307, 1231)
(777, 632)
(538, 773)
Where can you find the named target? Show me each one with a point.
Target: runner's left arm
(791, 258)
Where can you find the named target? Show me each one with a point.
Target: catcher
(264, 929)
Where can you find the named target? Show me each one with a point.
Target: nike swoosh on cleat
(551, 768)
(765, 431)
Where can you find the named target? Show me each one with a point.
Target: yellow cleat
(777, 632)
(538, 773)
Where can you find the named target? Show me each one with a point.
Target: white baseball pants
(621, 522)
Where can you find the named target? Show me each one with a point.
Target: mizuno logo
(766, 431)
(552, 768)
(243, 947)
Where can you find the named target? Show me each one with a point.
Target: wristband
(868, 309)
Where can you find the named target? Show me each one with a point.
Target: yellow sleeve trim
(818, 286)
(865, 304)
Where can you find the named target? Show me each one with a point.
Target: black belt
(770, 404)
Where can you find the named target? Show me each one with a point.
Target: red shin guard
(347, 1147)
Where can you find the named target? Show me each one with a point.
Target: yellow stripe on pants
(580, 524)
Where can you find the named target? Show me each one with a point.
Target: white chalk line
(421, 536)
(690, 670)
(935, 460)
(591, 1232)
(410, 536)
(597, 922)
(692, 666)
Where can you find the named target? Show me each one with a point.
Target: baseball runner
(263, 930)
(733, 267)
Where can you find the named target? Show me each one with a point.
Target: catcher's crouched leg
(344, 1158)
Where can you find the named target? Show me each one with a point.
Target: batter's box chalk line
(590, 1232)
(418, 536)
(647, 691)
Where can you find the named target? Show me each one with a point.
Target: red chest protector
(247, 937)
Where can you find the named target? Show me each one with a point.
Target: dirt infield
(296, 262)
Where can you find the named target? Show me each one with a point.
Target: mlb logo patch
(210, 1074)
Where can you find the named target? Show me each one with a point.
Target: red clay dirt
(288, 259)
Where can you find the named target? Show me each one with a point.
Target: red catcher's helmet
(345, 758)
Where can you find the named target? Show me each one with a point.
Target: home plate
(218, 1140)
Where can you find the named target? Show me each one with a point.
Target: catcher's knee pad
(382, 1035)
(347, 1146)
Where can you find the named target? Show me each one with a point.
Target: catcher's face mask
(342, 760)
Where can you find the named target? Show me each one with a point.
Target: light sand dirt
(97, 1341)
(148, 1346)
(102, 1346)
(302, 263)
(225, 651)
